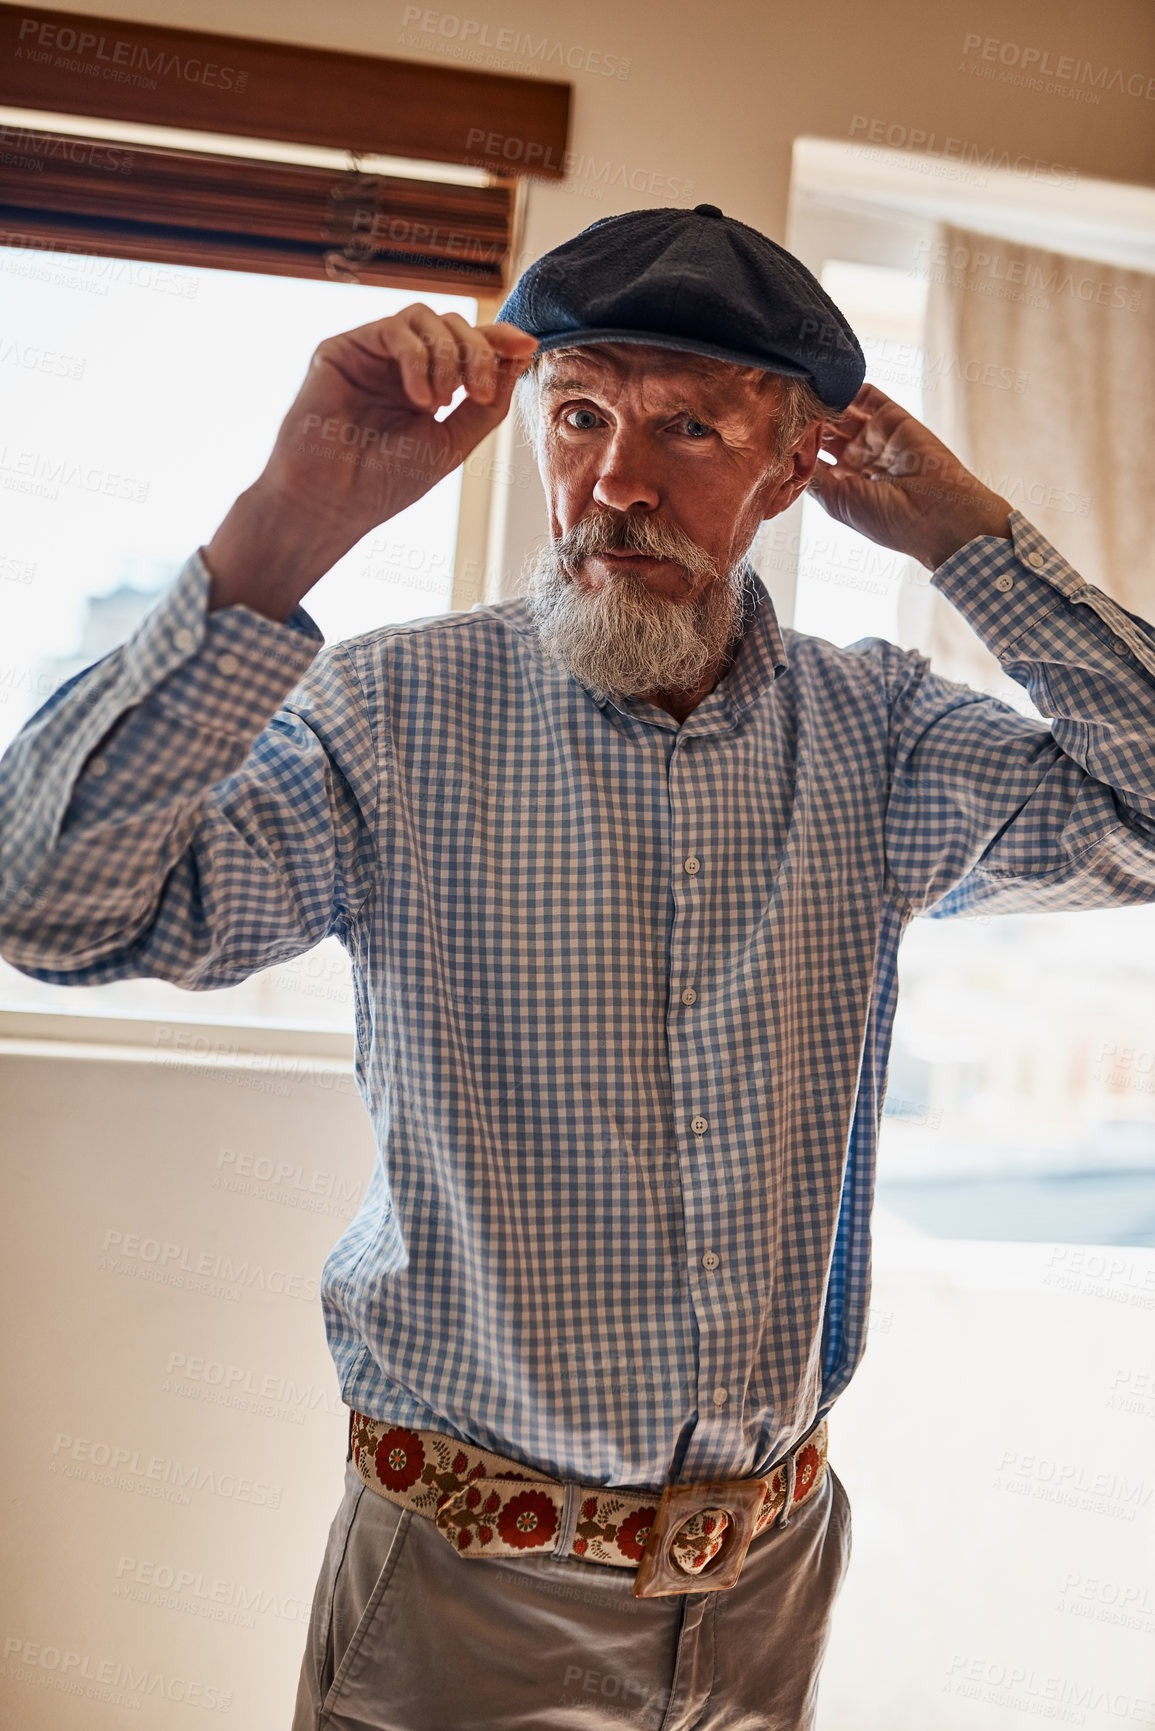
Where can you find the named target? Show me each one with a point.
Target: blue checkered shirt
(624, 988)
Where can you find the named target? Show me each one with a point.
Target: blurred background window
(138, 400)
(1021, 1097)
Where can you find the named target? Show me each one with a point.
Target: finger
(848, 421)
(479, 359)
(472, 420)
(853, 501)
(867, 405)
(870, 400)
(412, 357)
(445, 363)
(508, 339)
(824, 479)
(830, 489)
(863, 448)
(841, 429)
(876, 443)
(514, 350)
(402, 345)
(371, 356)
(912, 450)
(460, 353)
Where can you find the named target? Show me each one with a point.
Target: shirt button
(227, 664)
(1005, 582)
(1119, 646)
(183, 640)
(721, 1396)
(699, 1126)
(692, 865)
(1036, 559)
(689, 996)
(711, 1259)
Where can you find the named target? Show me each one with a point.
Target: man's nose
(624, 481)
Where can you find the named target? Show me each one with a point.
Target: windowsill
(150, 1039)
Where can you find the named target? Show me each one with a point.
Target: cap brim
(664, 340)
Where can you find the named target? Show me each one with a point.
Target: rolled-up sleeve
(993, 811)
(193, 807)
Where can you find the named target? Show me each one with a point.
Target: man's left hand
(897, 484)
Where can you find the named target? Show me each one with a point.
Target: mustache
(612, 532)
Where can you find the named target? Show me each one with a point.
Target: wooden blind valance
(60, 192)
(70, 63)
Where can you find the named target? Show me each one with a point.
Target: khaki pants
(407, 1635)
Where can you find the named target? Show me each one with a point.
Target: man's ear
(793, 477)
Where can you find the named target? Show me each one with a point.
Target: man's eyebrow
(562, 385)
(707, 397)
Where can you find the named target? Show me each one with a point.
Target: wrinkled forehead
(649, 369)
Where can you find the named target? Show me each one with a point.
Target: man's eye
(696, 429)
(582, 426)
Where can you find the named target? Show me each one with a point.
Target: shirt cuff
(227, 671)
(1005, 589)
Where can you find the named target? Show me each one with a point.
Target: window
(139, 400)
(185, 216)
(1021, 1098)
(848, 588)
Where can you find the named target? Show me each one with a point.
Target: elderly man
(622, 867)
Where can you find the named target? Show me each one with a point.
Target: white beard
(621, 638)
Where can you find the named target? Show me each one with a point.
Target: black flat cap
(694, 280)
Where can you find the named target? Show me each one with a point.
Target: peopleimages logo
(82, 151)
(985, 158)
(183, 1265)
(1065, 68)
(1001, 272)
(472, 36)
(45, 473)
(1048, 1695)
(573, 166)
(121, 1468)
(69, 266)
(217, 1599)
(117, 59)
(114, 1681)
(1048, 1480)
(195, 1377)
(34, 359)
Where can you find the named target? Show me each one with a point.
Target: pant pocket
(373, 1547)
(316, 1664)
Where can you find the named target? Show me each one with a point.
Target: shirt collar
(759, 659)
(761, 654)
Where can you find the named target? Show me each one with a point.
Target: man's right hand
(359, 444)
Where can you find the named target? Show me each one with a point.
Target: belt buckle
(658, 1573)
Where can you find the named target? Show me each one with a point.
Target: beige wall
(173, 1444)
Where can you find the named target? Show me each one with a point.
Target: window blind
(64, 192)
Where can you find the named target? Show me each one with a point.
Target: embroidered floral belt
(687, 1538)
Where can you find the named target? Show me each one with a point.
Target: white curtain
(1040, 376)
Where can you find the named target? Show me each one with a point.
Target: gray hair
(796, 409)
